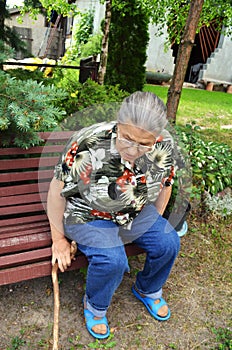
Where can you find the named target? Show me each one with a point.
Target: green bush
(211, 161)
(27, 107)
(37, 75)
(85, 43)
(92, 47)
(206, 178)
(128, 39)
(223, 338)
(91, 103)
(219, 205)
(84, 28)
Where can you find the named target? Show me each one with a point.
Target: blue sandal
(151, 306)
(91, 322)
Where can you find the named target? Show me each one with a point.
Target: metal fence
(88, 67)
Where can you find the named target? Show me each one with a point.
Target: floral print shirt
(99, 184)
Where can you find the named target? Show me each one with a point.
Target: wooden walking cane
(73, 249)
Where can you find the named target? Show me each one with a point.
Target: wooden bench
(25, 240)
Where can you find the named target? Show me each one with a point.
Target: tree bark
(182, 59)
(2, 17)
(105, 40)
(2, 22)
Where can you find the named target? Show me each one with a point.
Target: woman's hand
(61, 253)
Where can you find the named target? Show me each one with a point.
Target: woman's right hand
(61, 253)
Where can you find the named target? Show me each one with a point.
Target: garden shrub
(92, 47)
(128, 39)
(220, 204)
(27, 107)
(85, 42)
(37, 75)
(82, 32)
(91, 103)
(211, 164)
(84, 28)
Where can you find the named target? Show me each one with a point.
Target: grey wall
(218, 67)
(159, 59)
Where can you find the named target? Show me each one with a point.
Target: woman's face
(132, 141)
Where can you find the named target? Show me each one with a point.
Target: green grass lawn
(211, 110)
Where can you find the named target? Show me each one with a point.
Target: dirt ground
(198, 293)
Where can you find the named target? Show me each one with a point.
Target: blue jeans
(103, 244)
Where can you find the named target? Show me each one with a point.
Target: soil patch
(198, 293)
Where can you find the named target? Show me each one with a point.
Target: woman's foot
(97, 326)
(161, 313)
(163, 310)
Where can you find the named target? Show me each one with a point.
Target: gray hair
(144, 110)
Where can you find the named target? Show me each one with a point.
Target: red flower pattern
(126, 177)
(69, 159)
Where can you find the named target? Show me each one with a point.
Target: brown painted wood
(24, 228)
(35, 270)
(22, 209)
(25, 257)
(23, 199)
(20, 220)
(35, 150)
(26, 163)
(22, 189)
(24, 243)
(26, 272)
(25, 231)
(8, 178)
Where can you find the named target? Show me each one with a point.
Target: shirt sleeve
(74, 145)
(63, 167)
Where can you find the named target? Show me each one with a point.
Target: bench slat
(44, 268)
(14, 151)
(30, 198)
(28, 257)
(23, 230)
(21, 209)
(20, 220)
(27, 175)
(25, 257)
(24, 273)
(26, 242)
(28, 163)
(21, 189)
(56, 135)
(36, 270)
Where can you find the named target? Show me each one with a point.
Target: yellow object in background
(31, 60)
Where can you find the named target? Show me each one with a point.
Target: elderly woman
(111, 186)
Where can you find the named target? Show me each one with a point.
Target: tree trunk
(182, 59)
(105, 39)
(2, 18)
(2, 21)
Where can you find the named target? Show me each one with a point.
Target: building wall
(38, 29)
(159, 59)
(218, 67)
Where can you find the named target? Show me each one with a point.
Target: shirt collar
(113, 149)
